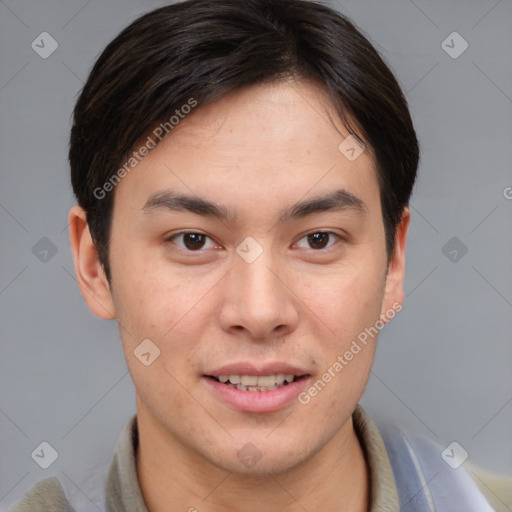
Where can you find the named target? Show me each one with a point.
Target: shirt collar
(383, 490)
(124, 494)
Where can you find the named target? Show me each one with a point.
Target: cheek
(151, 296)
(162, 307)
(346, 301)
(166, 306)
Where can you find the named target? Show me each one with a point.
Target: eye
(190, 240)
(319, 239)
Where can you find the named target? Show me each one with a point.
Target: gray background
(443, 366)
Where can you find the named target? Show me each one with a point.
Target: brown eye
(319, 240)
(193, 241)
(190, 241)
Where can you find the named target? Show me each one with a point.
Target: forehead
(262, 142)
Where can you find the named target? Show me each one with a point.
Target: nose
(258, 301)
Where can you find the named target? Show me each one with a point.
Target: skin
(254, 152)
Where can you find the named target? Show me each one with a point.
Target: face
(246, 244)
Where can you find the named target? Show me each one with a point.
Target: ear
(89, 271)
(394, 287)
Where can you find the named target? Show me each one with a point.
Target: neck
(334, 478)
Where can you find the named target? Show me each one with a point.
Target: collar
(383, 490)
(124, 494)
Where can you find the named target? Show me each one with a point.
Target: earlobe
(88, 269)
(394, 287)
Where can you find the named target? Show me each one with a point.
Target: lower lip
(257, 401)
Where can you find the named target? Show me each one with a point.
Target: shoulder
(91, 488)
(444, 476)
(85, 492)
(428, 474)
(47, 494)
(496, 488)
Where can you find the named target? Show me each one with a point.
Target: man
(243, 172)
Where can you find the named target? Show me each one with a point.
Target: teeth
(253, 388)
(266, 380)
(248, 382)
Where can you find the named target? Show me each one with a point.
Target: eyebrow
(338, 200)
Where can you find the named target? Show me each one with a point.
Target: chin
(260, 458)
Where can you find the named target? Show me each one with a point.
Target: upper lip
(246, 368)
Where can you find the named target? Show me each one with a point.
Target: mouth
(257, 383)
(248, 389)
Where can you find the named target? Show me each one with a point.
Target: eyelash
(200, 251)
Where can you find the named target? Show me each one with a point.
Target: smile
(257, 394)
(256, 382)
